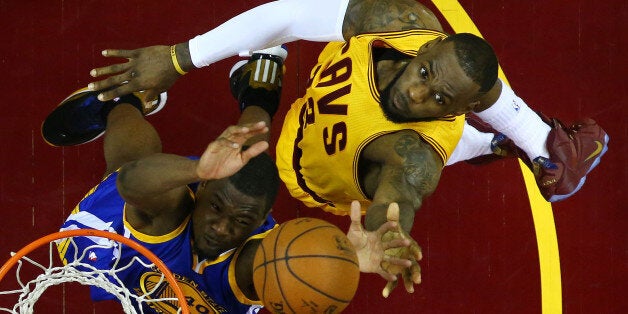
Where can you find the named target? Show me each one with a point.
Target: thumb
(393, 212)
(151, 95)
(356, 214)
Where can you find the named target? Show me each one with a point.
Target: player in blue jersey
(203, 232)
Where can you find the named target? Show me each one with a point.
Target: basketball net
(76, 270)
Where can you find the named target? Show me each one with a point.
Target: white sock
(511, 116)
(473, 143)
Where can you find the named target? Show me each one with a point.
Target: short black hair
(258, 178)
(476, 58)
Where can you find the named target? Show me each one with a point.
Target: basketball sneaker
(257, 80)
(81, 117)
(574, 152)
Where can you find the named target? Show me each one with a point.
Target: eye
(439, 98)
(423, 72)
(244, 222)
(214, 206)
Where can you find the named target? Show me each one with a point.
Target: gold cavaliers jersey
(325, 131)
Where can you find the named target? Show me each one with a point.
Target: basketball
(306, 265)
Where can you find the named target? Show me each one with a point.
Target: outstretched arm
(155, 187)
(406, 177)
(153, 69)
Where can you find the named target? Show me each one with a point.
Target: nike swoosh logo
(597, 151)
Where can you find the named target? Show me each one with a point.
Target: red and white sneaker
(574, 152)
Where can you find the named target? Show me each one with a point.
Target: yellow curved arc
(545, 229)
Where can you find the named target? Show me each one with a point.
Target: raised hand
(224, 156)
(371, 245)
(148, 69)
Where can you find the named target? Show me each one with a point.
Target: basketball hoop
(78, 271)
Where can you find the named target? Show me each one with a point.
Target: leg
(472, 144)
(128, 137)
(560, 157)
(511, 116)
(256, 85)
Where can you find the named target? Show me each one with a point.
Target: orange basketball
(306, 265)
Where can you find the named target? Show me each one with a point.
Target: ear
(429, 44)
(468, 108)
(265, 217)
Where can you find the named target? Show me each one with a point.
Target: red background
(480, 254)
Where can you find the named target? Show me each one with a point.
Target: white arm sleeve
(269, 25)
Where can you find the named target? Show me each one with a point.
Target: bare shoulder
(365, 16)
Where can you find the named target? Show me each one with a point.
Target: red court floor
(565, 58)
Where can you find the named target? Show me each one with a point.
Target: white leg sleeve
(473, 143)
(268, 25)
(511, 116)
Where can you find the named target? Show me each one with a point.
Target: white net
(28, 291)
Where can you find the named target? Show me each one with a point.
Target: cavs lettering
(340, 114)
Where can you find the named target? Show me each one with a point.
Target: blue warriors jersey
(209, 286)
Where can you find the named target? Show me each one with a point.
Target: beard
(386, 104)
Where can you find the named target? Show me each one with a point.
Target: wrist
(180, 56)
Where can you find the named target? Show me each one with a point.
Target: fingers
(254, 150)
(395, 243)
(402, 262)
(110, 94)
(119, 53)
(236, 135)
(387, 276)
(259, 127)
(390, 286)
(119, 75)
(416, 251)
(390, 226)
(407, 282)
(111, 69)
(415, 273)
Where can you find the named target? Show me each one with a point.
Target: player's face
(223, 217)
(432, 85)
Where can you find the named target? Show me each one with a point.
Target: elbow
(124, 180)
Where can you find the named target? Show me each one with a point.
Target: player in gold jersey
(441, 76)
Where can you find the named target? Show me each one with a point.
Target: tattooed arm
(402, 178)
(405, 177)
(364, 16)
